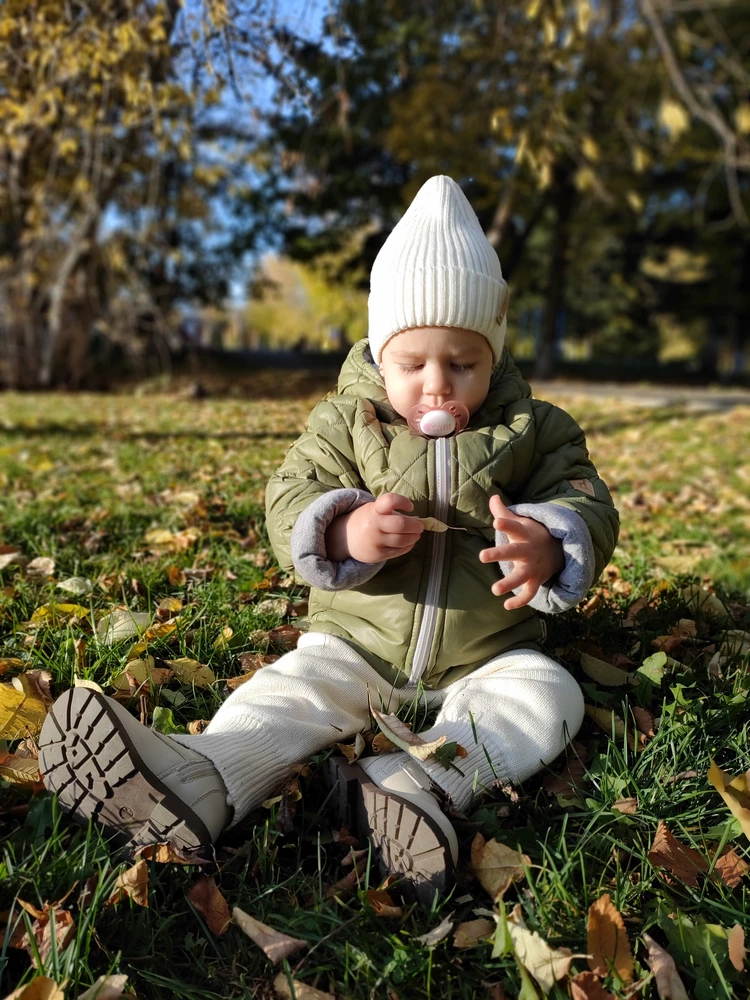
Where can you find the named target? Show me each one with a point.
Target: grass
(85, 478)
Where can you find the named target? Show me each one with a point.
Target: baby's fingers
(504, 553)
(515, 579)
(522, 598)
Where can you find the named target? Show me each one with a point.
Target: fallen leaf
(276, 945)
(83, 682)
(668, 852)
(629, 807)
(669, 986)
(58, 614)
(353, 751)
(735, 643)
(301, 990)
(605, 674)
(587, 986)
(64, 932)
(383, 904)
(731, 868)
(122, 624)
(208, 900)
(132, 883)
(734, 791)
(152, 633)
(197, 726)
(644, 720)
(19, 770)
(736, 944)
(700, 599)
(12, 663)
(40, 568)
(36, 684)
(630, 619)
(437, 934)
(545, 964)
(76, 585)
(285, 636)
(279, 606)
(496, 865)
(572, 775)
(381, 744)
(608, 945)
(10, 555)
(471, 932)
(191, 672)
(166, 854)
(20, 713)
(141, 672)
(606, 718)
(168, 607)
(40, 988)
(398, 732)
(105, 988)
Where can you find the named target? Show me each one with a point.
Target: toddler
(431, 418)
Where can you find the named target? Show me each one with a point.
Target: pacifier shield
(434, 422)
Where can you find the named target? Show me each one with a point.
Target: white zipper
(429, 615)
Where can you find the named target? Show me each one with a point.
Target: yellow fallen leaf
(206, 897)
(132, 883)
(19, 713)
(735, 792)
(40, 988)
(152, 633)
(399, 733)
(608, 945)
(545, 964)
(353, 751)
(12, 663)
(736, 945)
(191, 672)
(496, 865)
(605, 673)
(605, 718)
(275, 944)
(58, 614)
(301, 990)
(142, 671)
(105, 988)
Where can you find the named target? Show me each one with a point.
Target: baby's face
(433, 364)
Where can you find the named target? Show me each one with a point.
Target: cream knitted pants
(514, 714)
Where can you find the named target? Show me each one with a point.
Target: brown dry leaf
(669, 986)
(381, 744)
(383, 904)
(730, 867)
(353, 751)
(605, 718)
(644, 720)
(608, 945)
(192, 672)
(279, 606)
(587, 986)
(399, 732)
(105, 988)
(471, 932)
(545, 964)
(12, 663)
(572, 774)
(176, 577)
(197, 726)
(40, 988)
(37, 683)
(301, 990)
(208, 900)
(629, 807)
(64, 929)
(166, 854)
(285, 636)
(256, 661)
(276, 945)
(734, 791)
(232, 683)
(668, 852)
(19, 770)
(630, 619)
(736, 944)
(496, 865)
(20, 713)
(132, 883)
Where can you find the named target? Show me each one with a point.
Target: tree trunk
(564, 200)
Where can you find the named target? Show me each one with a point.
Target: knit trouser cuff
(470, 775)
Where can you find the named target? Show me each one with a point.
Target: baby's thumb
(498, 508)
(390, 502)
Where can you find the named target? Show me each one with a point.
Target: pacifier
(437, 422)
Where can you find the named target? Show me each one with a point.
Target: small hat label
(583, 486)
(504, 305)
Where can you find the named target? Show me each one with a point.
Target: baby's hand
(374, 531)
(535, 554)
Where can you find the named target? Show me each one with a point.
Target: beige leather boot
(142, 786)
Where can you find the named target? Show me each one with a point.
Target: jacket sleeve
(563, 491)
(317, 481)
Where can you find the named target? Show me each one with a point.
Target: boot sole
(407, 841)
(87, 757)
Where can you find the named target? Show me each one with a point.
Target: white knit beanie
(437, 268)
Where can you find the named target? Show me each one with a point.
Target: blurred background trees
(160, 163)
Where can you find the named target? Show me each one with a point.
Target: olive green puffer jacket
(430, 615)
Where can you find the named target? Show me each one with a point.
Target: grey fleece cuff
(308, 544)
(571, 585)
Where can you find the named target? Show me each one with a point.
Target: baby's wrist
(336, 540)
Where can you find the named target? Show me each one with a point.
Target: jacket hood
(359, 376)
